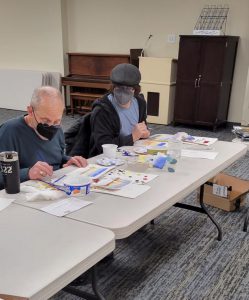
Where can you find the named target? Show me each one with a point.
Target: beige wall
(31, 35)
(115, 26)
(35, 33)
(245, 113)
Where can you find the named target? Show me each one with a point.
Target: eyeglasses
(46, 121)
(124, 88)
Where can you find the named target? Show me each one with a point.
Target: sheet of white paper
(65, 206)
(130, 191)
(199, 154)
(4, 202)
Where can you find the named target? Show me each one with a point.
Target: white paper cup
(78, 186)
(109, 150)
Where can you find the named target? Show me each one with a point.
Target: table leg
(203, 210)
(219, 238)
(246, 222)
(94, 284)
(85, 295)
(65, 98)
(72, 105)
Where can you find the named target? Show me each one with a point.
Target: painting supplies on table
(92, 170)
(124, 183)
(161, 147)
(169, 162)
(110, 183)
(105, 161)
(110, 180)
(205, 141)
(128, 152)
(181, 136)
(71, 185)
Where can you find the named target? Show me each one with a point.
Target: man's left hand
(78, 161)
(146, 134)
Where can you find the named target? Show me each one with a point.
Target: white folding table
(40, 254)
(124, 216)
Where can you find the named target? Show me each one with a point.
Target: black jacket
(105, 125)
(77, 137)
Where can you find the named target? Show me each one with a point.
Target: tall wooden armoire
(204, 79)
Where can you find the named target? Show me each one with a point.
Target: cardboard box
(237, 190)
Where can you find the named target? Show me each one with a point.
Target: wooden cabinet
(204, 79)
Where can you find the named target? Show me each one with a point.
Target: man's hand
(140, 131)
(78, 161)
(39, 170)
(146, 134)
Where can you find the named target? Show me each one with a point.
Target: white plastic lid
(77, 180)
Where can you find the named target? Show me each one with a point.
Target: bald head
(47, 95)
(46, 106)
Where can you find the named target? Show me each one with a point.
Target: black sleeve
(106, 130)
(142, 108)
(70, 136)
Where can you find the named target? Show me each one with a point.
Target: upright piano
(89, 78)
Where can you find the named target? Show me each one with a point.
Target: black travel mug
(11, 171)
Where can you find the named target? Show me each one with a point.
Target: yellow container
(156, 149)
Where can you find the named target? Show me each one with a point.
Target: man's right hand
(139, 131)
(39, 170)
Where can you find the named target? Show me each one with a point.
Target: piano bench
(82, 102)
(83, 109)
(85, 96)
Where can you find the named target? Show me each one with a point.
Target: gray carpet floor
(179, 257)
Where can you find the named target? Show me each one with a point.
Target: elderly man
(120, 116)
(38, 137)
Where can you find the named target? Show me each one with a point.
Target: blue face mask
(123, 94)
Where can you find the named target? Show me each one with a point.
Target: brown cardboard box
(239, 189)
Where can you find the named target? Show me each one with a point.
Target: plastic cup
(78, 186)
(110, 150)
(174, 154)
(174, 149)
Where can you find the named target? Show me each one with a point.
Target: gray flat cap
(125, 74)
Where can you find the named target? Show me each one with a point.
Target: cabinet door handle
(199, 79)
(196, 79)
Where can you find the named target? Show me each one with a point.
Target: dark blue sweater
(16, 135)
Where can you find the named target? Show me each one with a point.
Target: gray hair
(44, 91)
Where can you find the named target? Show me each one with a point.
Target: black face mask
(45, 130)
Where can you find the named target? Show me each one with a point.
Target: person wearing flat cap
(120, 116)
